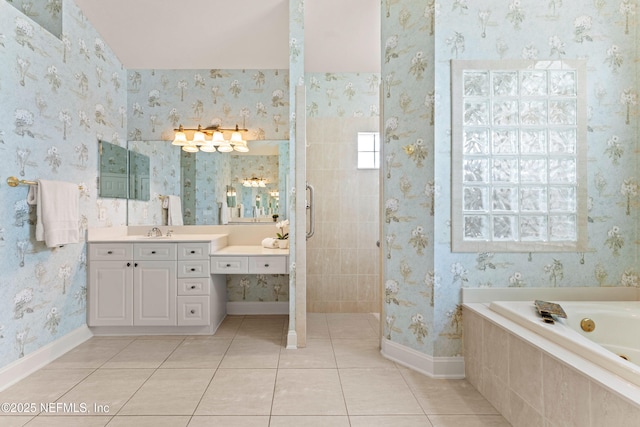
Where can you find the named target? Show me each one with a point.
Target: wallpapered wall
(59, 96)
(419, 40)
(47, 13)
(161, 100)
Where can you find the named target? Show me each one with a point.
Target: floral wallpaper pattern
(47, 13)
(60, 96)
(422, 309)
(342, 95)
(161, 100)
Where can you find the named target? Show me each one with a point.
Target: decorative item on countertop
(270, 243)
(283, 235)
(275, 217)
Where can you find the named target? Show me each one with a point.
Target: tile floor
(243, 376)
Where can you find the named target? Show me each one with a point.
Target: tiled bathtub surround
(533, 382)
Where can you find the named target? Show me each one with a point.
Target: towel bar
(12, 181)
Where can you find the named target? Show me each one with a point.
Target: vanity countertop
(238, 250)
(173, 238)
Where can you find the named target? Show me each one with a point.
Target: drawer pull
(228, 265)
(153, 252)
(109, 252)
(193, 252)
(266, 265)
(193, 269)
(193, 286)
(193, 312)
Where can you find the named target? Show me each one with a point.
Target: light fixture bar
(199, 143)
(211, 129)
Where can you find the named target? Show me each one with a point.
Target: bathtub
(535, 373)
(614, 344)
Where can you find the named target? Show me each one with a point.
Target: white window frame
(375, 151)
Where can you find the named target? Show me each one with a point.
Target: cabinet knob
(193, 269)
(153, 252)
(193, 286)
(193, 312)
(135, 264)
(228, 265)
(128, 264)
(193, 252)
(109, 252)
(266, 265)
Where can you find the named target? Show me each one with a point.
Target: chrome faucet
(155, 232)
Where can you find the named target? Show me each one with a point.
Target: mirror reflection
(138, 176)
(113, 170)
(220, 188)
(210, 185)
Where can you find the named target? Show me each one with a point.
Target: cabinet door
(110, 293)
(154, 293)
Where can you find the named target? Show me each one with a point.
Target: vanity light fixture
(200, 143)
(254, 182)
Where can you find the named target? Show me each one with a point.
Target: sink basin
(154, 237)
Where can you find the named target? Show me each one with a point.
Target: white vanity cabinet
(110, 285)
(273, 264)
(155, 284)
(194, 284)
(149, 284)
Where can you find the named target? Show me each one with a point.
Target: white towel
(57, 211)
(173, 205)
(269, 242)
(241, 211)
(224, 212)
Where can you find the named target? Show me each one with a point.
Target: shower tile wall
(342, 256)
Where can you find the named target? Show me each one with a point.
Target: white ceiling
(340, 35)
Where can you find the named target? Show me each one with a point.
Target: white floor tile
(243, 376)
(308, 392)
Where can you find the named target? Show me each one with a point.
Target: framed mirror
(113, 170)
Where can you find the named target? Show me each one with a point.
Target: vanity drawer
(193, 268)
(193, 311)
(110, 251)
(154, 251)
(193, 251)
(229, 265)
(194, 286)
(268, 265)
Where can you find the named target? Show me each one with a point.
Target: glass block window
(518, 156)
(368, 150)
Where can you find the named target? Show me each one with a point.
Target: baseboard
(25, 366)
(435, 367)
(292, 340)
(248, 308)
